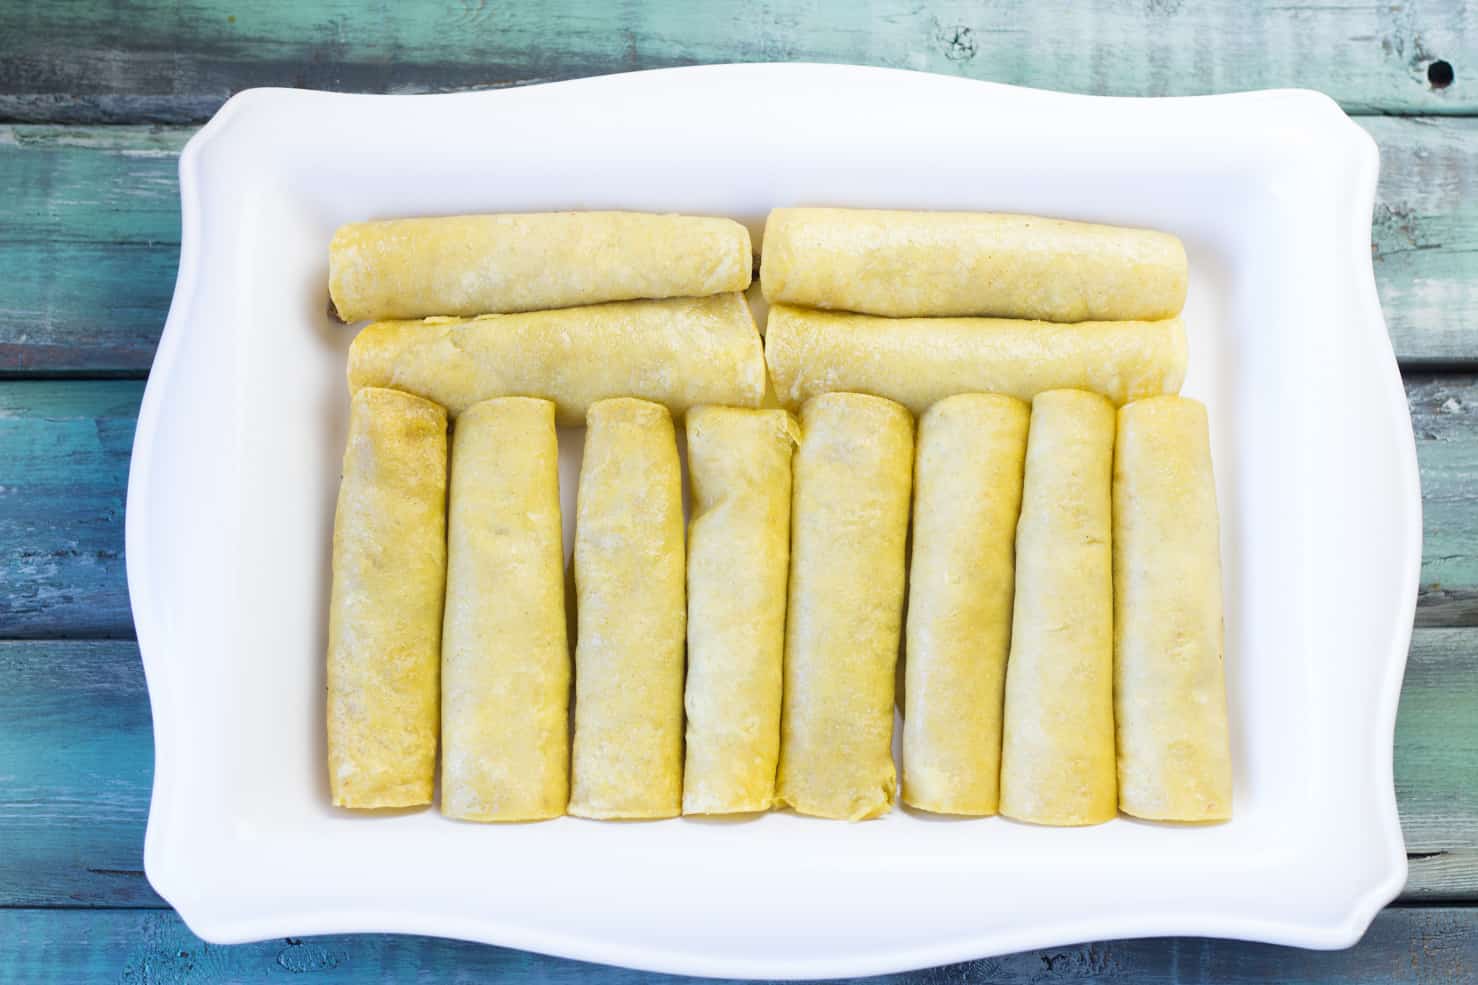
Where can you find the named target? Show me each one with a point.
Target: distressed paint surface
(64, 451)
(1444, 418)
(1425, 233)
(89, 242)
(1436, 764)
(74, 781)
(89, 236)
(177, 60)
(1417, 946)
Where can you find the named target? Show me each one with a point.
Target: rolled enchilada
(849, 522)
(967, 493)
(920, 361)
(482, 264)
(904, 264)
(1057, 756)
(738, 558)
(1169, 686)
(679, 353)
(505, 660)
(629, 571)
(384, 628)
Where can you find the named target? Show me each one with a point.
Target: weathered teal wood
(1436, 765)
(89, 231)
(1426, 946)
(75, 776)
(1425, 236)
(76, 764)
(64, 451)
(177, 61)
(1444, 417)
(89, 238)
(89, 241)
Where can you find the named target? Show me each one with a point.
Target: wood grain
(1444, 418)
(75, 791)
(76, 778)
(89, 237)
(1425, 234)
(89, 240)
(174, 61)
(64, 451)
(1436, 764)
(1426, 946)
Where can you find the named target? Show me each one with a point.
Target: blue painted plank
(64, 451)
(76, 764)
(89, 241)
(1423, 946)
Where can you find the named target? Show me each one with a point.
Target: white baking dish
(236, 460)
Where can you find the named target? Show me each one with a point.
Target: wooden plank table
(96, 100)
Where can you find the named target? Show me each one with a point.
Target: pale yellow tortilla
(904, 264)
(967, 494)
(738, 558)
(484, 264)
(678, 353)
(629, 577)
(920, 361)
(1057, 756)
(849, 523)
(384, 625)
(1169, 687)
(505, 661)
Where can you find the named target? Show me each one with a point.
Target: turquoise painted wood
(1428, 946)
(64, 450)
(1444, 418)
(74, 781)
(89, 236)
(63, 480)
(89, 239)
(1425, 236)
(1436, 765)
(176, 60)
(75, 772)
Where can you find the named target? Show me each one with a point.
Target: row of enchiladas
(1063, 627)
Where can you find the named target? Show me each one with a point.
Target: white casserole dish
(235, 469)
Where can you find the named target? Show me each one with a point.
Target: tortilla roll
(905, 264)
(678, 353)
(920, 361)
(967, 494)
(628, 749)
(384, 622)
(1169, 689)
(481, 264)
(738, 558)
(505, 660)
(849, 523)
(1057, 757)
